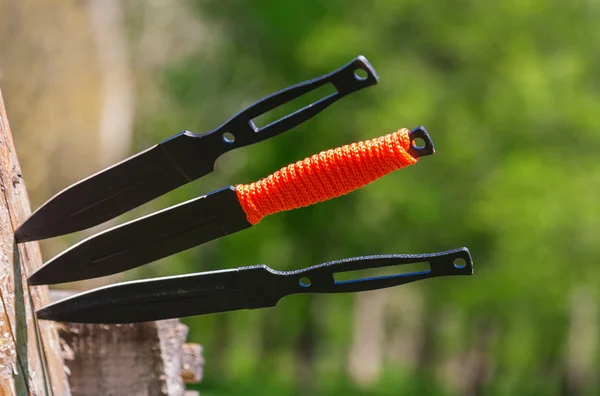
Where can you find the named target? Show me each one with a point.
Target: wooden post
(30, 360)
(138, 359)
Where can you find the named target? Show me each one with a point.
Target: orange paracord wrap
(326, 175)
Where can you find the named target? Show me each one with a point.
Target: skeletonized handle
(345, 80)
(331, 173)
(320, 278)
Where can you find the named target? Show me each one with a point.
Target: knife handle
(320, 278)
(332, 173)
(240, 130)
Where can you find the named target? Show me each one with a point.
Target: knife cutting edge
(323, 176)
(241, 288)
(180, 159)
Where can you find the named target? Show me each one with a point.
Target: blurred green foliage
(509, 91)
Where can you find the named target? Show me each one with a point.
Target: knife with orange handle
(183, 158)
(323, 176)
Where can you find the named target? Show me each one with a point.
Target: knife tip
(27, 232)
(59, 311)
(43, 314)
(38, 278)
(21, 235)
(39, 226)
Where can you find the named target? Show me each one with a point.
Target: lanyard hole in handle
(460, 263)
(228, 137)
(418, 143)
(361, 74)
(305, 281)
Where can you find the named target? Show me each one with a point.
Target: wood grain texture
(140, 359)
(172, 335)
(30, 362)
(192, 364)
(144, 359)
(114, 360)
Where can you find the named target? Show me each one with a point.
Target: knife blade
(180, 159)
(242, 288)
(233, 209)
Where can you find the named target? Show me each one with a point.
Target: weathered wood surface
(139, 359)
(192, 363)
(30, 362)
(144, 359)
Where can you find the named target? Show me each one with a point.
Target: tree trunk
(30, 361)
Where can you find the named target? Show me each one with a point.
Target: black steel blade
(162, 298)
(147, 239)
(105, 195)
(242, 288)
(180, 159)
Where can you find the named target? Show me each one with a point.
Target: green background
(509, 92)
